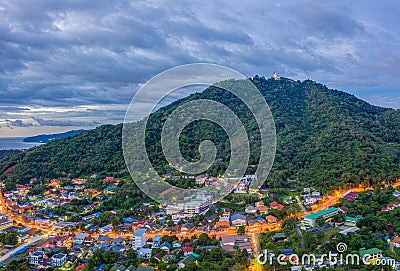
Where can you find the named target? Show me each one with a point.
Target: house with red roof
(187, 249)
(396, 242)
(110, 180)
(343, 209)
(81, 267)
(260, 206)
(276, 205)
(351, 196)
(271, 219)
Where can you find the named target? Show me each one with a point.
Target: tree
(241, 230)
(190, 267)
(82, 226)
(309, 240)
(131, 254)
(340, 217)
(18, 264)
(320, 221)
(162, 267)
(9, 238)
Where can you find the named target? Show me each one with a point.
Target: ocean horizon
(16, 143)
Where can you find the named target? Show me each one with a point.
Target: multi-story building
(174, 209)
(194, 205)
(139, 238)
(5, 221)
(36, 258)
(310, 221)
(198, 205)
(59, 259)
(370, 256)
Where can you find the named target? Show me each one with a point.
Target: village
(161, 237)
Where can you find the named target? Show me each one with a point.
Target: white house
(36, 258)
(396, 242)
(59, 259)
(79, 238)
(144, 253)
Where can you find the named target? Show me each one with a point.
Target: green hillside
(325, 138)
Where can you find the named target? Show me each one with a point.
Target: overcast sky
(77, 64)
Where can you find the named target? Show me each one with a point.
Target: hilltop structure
(275, 76)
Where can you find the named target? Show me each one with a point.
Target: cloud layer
(78, 63)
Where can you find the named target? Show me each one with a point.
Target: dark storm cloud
(51, 122)
(18, 123)
(81, 53)
(325, 21)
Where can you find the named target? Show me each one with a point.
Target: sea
(16, 143)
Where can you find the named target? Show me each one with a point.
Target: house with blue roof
(261, 220)
(100, 267)
(238, 220)
(157, 241)
(128, 220)
(166, 247)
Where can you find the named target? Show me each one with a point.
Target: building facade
(139, 238)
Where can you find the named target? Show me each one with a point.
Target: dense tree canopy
(325, 138)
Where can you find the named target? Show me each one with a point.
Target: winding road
(32, 241)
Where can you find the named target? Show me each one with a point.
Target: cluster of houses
(20, 202)
(195, 205)
(57, 251)
(351, 196)
(178, 251)
(310, 197)
(69, 248)
(232, 242)
(241, 187)
(227, 219)
(391, 207)
(5, 221)
(309, 222)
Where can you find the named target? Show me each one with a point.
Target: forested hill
(6, 154)
(325, 138)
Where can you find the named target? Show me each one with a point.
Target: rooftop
(59, 256)
(321, 213)
(370, 251)
(352, 219)
(140, 232)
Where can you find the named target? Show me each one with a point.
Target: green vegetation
(9, 238)
(219, 260)
(102, 256)
(375, 228)
(5, 154)
(369, 205)
(18, 264)
(326, 138)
